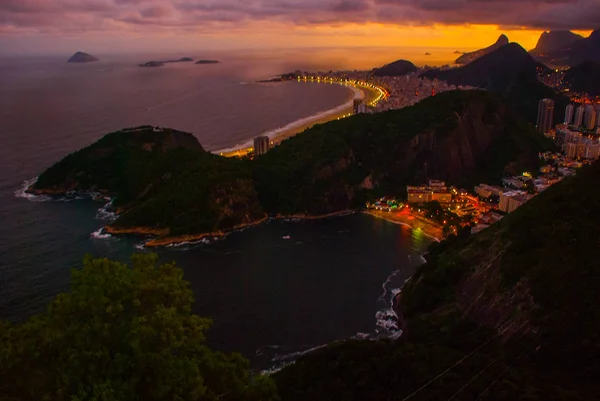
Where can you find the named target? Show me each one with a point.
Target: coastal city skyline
(132, 26)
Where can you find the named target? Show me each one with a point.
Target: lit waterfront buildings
(569, 114)
(261, 145)
(435, 191)
(579, 116)
(545, 115)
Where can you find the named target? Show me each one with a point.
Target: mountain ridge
(555, 40)
(469, 57)
(509, 71)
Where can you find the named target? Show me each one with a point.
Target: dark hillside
(511, 313)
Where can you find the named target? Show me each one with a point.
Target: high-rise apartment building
(590, 117)
(579, 116)
(545, 115)
(569, 114)
(356, 105)
(261, 145)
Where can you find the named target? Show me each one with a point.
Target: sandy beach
(428, 228)
(296, 127)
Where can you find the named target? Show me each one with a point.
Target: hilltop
(554, 40)
(165, 184)
(509, 71)
(467, 58)
(578, 52)
(508, 313)
(395, 69)
(584, 78)
(81, 57)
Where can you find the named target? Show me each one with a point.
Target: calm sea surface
(269, 297)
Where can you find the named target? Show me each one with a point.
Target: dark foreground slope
(509, 71)
(461, 137)
(508, 314)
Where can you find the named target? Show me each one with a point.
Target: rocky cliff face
(472, 56)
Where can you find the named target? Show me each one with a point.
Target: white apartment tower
(569, 114)
(579, 116)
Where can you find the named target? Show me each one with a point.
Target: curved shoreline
(429, 229)
(298, 126)
(162, 238)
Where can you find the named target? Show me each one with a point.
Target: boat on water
(286, 237)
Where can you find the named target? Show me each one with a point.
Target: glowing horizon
(133, 26)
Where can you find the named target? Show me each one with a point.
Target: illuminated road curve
(381, 94)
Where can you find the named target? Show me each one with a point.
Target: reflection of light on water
(417, 237)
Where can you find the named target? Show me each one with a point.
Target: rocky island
(164, 184)
(155, 63)
(81, 57)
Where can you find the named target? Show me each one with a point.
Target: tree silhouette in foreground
(122, 333)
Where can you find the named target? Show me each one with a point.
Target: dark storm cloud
(542, 14)
(54, 15)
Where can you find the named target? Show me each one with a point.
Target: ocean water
(269, 297)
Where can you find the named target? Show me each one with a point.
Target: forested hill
(510, 313)
(166, 184)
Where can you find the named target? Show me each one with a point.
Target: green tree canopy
(122, 333)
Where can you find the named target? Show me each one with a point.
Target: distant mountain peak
(565, 48)
(472, 56)
(551, 41)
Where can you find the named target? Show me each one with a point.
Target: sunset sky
(101, 26)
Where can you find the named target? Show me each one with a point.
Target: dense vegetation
(166, 181)
(584, 78)
(518, 301)
(511, 72)
(122, 333)
(162, 179)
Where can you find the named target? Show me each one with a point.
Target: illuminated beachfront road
(381, 94)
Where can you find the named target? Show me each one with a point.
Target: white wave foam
(100, 234)
(105, 212)
(22, 192)
(187, 244)
(358, 94)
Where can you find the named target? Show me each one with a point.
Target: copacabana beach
(280, 134)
